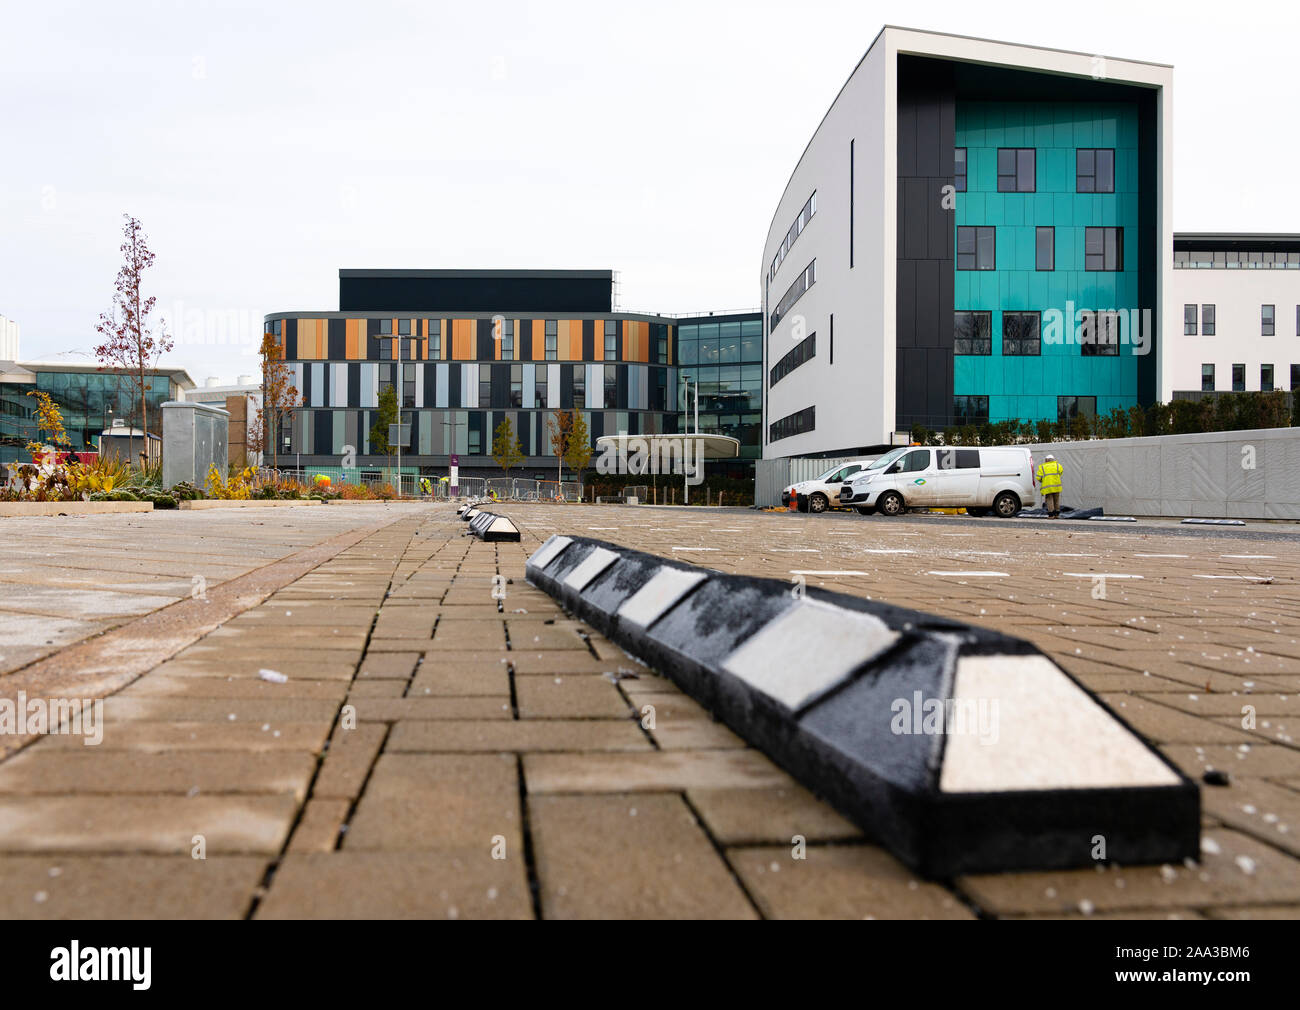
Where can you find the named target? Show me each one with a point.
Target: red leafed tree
(131, 346)
(279, 395)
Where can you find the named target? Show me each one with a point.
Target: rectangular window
(579, 373)
(970, 409)
(385, 327)
(800, 223)
(485, 385)
(1189, 320)
(1266, 378)
(1266, 320)
(972, 333)
(539, 386)
(1070, 407)
(1103, 249)
(959, 169)
(1295, 378)
(1020, 333)
(408, 385)
(386, 350)
(611, 385)
(663, 351)
(508, 339)
(792, 359)
(1016, 170)
(1045, 248)
(1094, 170)
(798, 423)
(1238, 378)
(611, 340)
(552, 336)
(976, 247)
(516, 385)
(404, 327)
(1207, 378)
(1099, 334)
(796, 291)
(1207, 320)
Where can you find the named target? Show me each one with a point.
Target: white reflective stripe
(1026, 725)
(595, 563)
(808, 650)
(665, 588)
(547, 553)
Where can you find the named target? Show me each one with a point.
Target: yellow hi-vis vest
(1049, 477)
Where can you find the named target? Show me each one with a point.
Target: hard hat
(1050, 456)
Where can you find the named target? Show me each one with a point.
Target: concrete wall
(1229, 474)
(195, 436)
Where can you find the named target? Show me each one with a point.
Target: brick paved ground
(437, 751)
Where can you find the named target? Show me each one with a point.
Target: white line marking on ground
(1100, 575)
(888, 550)
(991, 554)
(695, 548)
(1071, 555)
(795, 550)
(1243, 578)
(981, 575)
(1159, 555)
(1251, 557)
(801, 571)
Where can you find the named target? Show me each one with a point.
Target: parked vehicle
(821, 493)
(998, 480)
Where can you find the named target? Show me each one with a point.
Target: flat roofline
(965, 38)
(1235, 236)
(493, 274)
(465, 314)
(63, 366)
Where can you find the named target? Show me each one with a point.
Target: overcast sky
(265, 145)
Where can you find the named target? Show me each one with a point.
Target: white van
(823, 492)
(998, 480)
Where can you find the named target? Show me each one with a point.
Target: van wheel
(891, 504)
(1006, 505)
(972, 510)
(865, 510)
(818, 503)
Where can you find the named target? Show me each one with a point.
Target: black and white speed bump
(961, 749)
(492, 528)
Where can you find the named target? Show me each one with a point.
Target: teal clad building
(1057, 182)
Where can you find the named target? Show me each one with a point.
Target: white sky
(265, 145)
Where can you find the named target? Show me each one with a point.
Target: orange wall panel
(539, 340)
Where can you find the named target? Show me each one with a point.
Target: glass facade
(725, 355)
(89, 400)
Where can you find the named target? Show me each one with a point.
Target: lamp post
(686, 477)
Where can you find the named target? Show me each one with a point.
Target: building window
(1234, 259)
(551, 339)
(1266, 320)
(516, 385)
(508, 339)
(1207, 378)
(1103, 249)
(800, 223)
(408, 385)
(662, 357)
(1020, 333)
(1238, 378)
(972, 333)
(611, 340)
(385, 376)
(1099, 334)
(611, 385)
(1070, 407)
(1295, 378)
(539, 386)
(579, 373)
(792, 359)
(798, 423)
(970, 409)
(1016, 169)
(404, 327)
(975, 247)
(1095, 170)
(959, 169)
(1207, 320)
(1266, 378)
(485, 385)
(1189, 320)
(1045, 248)
(796, 291)
(386, 349)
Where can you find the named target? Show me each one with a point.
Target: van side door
(958, 476)
(916, 478)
